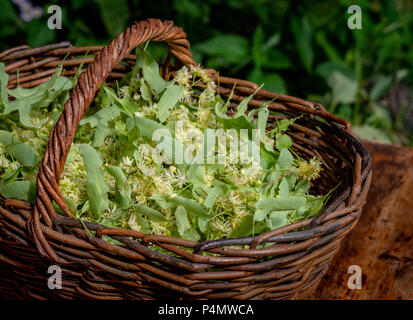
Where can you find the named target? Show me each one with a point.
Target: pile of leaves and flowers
(140, 158)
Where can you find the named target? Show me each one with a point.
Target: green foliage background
(300, 48)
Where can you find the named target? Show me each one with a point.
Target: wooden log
(382, 241)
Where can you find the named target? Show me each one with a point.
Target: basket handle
(63, 132)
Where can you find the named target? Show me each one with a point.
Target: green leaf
(143, 222)
(261, 214)
(196, 174)
(146, 126)
(191, 206)
(168, 100)
(102, 117)
(284, 124)
(40, 96)
(97, 188)
(231, 49)
(24, 154)
(100, 135)
(285, 159)
(71, 204)
(277, 60)
(185, 229)
(25, 119)
(283, 141)
(150, 213)
(245, 227)
(182, 221)
(344, 88)
(303, 31)
(381, 86)
(212, 196)
(283, 188)
(371, 133)
(124, 105)
(278, 219)
(145, 91)
(262, 122)
(273, 82)
(4, 78)
(285, 203)
(325, 69)
(122, 188)
(150, 69)
(10, 175)
(242, 107)
(202, 223)
(267, 158)
(328, 48)
(7, 138)
(313, 206)
(20, 190)
(163, 201)
(109, 9)
(237, 123)
(302, 187)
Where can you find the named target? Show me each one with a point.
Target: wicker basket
(34, 237)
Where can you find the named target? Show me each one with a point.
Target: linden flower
(200, 72)
(4, 162)
(140, 189)
(222, 227)
(15, 165)
(37, 117)
(110, 180)
(110, 211)
(235, 199)
(206, 119)
(125, 92)
(159, 228)
(150, 111)
(146, 169)
(74, 181)
(251, 174)
(183, 76)
(207, 97)
(162, 184)
(127, 162)
(308, 170)
(181, 113)
(109, 150)
(71, 190)
(22, 134)
(187, 133)
(133, 224)
(176, 176)
(145, 151)
(231, 158)
(208, 179)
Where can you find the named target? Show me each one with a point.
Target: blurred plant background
(301, 48)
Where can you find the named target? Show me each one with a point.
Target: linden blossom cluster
(166, 158)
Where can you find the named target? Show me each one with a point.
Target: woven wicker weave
(34, 237)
